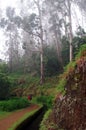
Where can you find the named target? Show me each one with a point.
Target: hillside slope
(69, 111)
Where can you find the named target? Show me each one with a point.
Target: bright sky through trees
(3, 5)
(15, 3)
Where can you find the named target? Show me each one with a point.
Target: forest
(43, 64)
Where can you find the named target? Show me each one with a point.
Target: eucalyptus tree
(61, 22)
(39, 4)
(29, 50)
(82, 8)
(70, 28)
(12, 37)
(33, 25)
(81, 4)
(56, 23)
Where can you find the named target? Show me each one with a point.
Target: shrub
(4, 86)
(45, 100)
(52, 65)
(14, 104)
(3, 67)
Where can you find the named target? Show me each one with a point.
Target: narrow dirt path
(14, 117)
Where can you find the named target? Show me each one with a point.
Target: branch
(34, 50)
(35, 2)
(66, 6)
(31, 33)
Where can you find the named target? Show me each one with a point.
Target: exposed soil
(14, 117)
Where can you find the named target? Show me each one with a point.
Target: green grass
(29, 114)
(4, 114)
(70, 65)
(61, 85)
(81, 50)
(44, 121)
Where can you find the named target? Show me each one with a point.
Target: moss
(61, 85)
(44, 125)
(82, 52)
(69, 69)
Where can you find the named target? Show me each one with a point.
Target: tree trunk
(65, 25)
(41, 38)
(58, 46)
(42, 69)
(70, 29)
(10, 54)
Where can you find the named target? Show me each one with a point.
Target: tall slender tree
(35, 29)
(41, 41)
(12, 34)
(70, 29)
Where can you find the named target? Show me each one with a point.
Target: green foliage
(70, 65)
(43, 123)
(65, 50)
(32, 84)
(77, 42)
(62, 81)
(81, 51)
(61, 85)
(3, 67)
(27, 78)
(4, 86)
(45, 100)
(13, 104)
(52, 66)
(69, 69)
(35, 64)
(80, 31)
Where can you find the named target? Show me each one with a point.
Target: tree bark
(58, 47)
(42, 69)
(41, 53)
(70, 29)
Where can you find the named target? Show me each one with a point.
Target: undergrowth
(69, 69)
(82, 52)
(46, 101)
(43, 123)
(13, 104)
